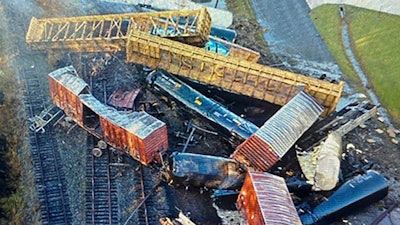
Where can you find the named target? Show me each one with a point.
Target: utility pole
(216, 4)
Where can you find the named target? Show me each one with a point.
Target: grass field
(375, 40)
(242, 9)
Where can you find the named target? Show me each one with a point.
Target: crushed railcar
(138, 134)
(96, 33)
(265, 199)
(206, 107)
(278, 134)
(207, 171)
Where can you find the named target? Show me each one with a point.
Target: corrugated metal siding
(64, 88)
(256, 153)
(67, 78)
(138, 133)
(265, 199)
(283, 129)
(279, 133)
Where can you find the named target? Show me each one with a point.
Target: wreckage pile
(304, 100)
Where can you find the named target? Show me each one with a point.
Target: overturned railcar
(265, 199)
(206, 107)
(208, 171)
(271, 142)
(136, 133)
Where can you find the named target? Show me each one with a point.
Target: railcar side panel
(265, 199)
(64, 90)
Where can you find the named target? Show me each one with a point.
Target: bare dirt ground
(381, 154)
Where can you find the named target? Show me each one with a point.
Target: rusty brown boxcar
(136, 133)
(65, 88)
(271, 142)
(265, 199)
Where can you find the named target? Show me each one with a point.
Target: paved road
(292, 36)
(387, 6)
(220, 18)
(290, 29)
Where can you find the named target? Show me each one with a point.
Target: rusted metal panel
(65, 87)
(137, 133)
(256, 153)
(265, 199)
(123, 99)
(109, 32)
(278, 134)
(231, 74)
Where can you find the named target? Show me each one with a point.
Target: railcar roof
(139, 123)
(68, 78)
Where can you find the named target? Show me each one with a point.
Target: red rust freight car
(265, 199)
(136, 133)
(278, 134)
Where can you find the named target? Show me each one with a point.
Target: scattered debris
(40, 121)
(321, 164)
(124, 99)
(391, 132)
(379, 131)
(384, 214)
(184, 220)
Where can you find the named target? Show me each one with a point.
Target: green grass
(327, 20)
(242, 9)
(375, 39)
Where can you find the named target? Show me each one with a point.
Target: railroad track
(145, 212)
(50, 179)
(101, 193)
(153, 203)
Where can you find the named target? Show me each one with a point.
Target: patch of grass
(376, 40)
(241, 8)
(327, 21)
(374, 37)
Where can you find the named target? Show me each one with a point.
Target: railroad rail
(50, 179)
(101, 192)
(110, 32)
(152, 201)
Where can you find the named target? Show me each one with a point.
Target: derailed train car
(207, 171)
(136, 133)
(260, 151)
(265, 199)
(278, 134)
(208, 108)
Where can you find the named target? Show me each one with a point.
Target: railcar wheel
(97, 152)
(102, 145)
